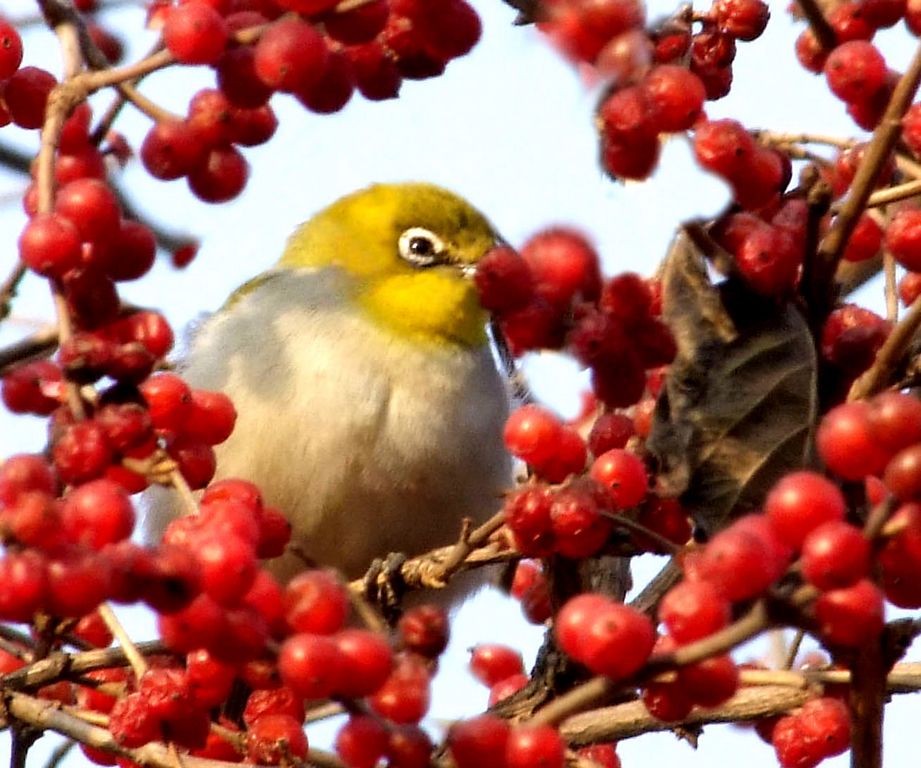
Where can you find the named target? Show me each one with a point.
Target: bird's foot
(385, 586)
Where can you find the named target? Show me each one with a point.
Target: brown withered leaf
(739, 404)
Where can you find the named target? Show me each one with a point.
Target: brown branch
(134, 656)
(819, 25)
(765, 693)
(878, 151)
(905, 191)
(10, 288)
(433, 569)
(58, 666)
(890, 354)
(48, 715)
(32, 347)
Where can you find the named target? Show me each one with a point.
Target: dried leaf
(739, 404)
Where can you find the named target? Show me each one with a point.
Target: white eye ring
(421, 247)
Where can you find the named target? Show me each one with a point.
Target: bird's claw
(385, 586)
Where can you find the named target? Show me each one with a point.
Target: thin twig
(890, 354)
(60, 753)
(905, 191)
(819, 25)
(32, 347)
(135, 659)
(892, 292)
(9, 288)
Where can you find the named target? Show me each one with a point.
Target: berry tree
(746, 419)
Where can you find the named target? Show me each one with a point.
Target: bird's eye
(420, 247)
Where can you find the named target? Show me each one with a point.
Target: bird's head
(411, 249)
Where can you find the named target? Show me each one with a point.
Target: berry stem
(135, 659)
(893, 194)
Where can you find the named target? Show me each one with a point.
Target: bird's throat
(429, 307)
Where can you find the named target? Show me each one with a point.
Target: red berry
(610, 430)
(577, 518)
(316, 601)
(503, 280)
(169, 401)
(564, 266)
(533, 434)
(367, 661)
(846, 443)
(743, 19)
(311, 665)
(96, 514)
(24, 473)
(895, 420)
(171, 149)
(709, 682)
(535, 745)
(81, 453)
(272, 738)
(50, 245)
(901, 475)
(527, 515)
(479, 742)
(865, 240)
(903, 238)
(835, 555)
(610, 638)
(692, 610)
(357, 25)
(221, 177)
(26, 94)
(23, 585)
(624, 475)
(850, 616)
(195, 33)
(799, 503)
(424, 630)
(724, 147)
(91, 206)
(855, 70)
(10, 49)
(492, 663)
(741, 561)
(211, 418)
(132, 252)
(910, 288)
(273, 701)
(33, 388)
(290, 55)
(404, 697)
(361, 742)
(675, 97)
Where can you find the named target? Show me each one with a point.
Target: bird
(370, 406)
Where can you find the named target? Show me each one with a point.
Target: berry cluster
(659, 80)
(820, 729)
(305, 48)
(490, 741)
(552, 296)
(575, 517)
(854, 68)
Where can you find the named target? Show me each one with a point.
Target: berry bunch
(552, 296)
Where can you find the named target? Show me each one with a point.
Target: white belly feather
(367, 442)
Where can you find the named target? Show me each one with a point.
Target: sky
(510, 128)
